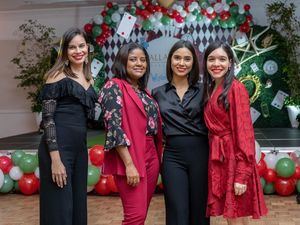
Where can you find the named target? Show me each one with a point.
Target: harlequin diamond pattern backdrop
(200, 33)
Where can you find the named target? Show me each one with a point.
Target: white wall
(15, 115)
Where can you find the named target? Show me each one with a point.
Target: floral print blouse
(111, 102)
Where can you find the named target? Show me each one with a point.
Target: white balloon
(195, 5)
(241, 10)
(98, 19)
(179, 8)
(116, 17)
(207, 21)
(139, 3)
(157, 24)
(37, 172)
(183, 13)
(191, 8)
(1, 178)
(89, 188)
(226, 7)
(191, 18)
(218, 7)
(121, 10)
(210, 10)
(152, 19)
(15, 173)
(158, 15)
(257, 152)
(178, 25)
(271, 160)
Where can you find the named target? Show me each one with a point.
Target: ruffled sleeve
(243, 133)
(110, 99)
(69, 87)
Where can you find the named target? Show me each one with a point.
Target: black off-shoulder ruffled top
(65, 102)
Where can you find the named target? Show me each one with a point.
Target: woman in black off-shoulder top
(68, 100)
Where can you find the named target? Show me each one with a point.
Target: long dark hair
(194, 73)
(120, 64)
(60, 65)
(229, 76)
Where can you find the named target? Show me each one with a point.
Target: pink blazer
(134, 124)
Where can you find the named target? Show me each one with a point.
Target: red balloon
(5, 164)
(262, 167)
(28, 184)
(296, 175)
(284, 187)
(88, 28)
(103, 13)
(245, 27)
(224, 15)
(145, 14)
(204, 12)
(109, 5)
(212, 16)
(102, 186)
(249, 18)
(179, 19)
(151, 9)
(96, 153)
(270, 175)
(263, 155)
(158, 8)
(104, 27)
(112, 184)
(247, 7)
(145, 2)
(175, 14)
(164, 10)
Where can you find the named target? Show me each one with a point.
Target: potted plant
(282, 17)
(34, 60)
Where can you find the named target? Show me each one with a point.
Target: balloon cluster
(151, 15)
(19, 172)
(280, 172)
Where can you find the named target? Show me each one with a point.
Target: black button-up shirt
(181, 117)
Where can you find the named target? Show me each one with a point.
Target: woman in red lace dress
(234, 184)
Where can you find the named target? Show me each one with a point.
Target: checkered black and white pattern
(200, 33)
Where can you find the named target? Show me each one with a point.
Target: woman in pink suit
(133, 132)
(234, 184)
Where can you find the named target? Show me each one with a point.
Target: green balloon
(231, 23)
(147, 25)
(113, 24)
(234, 10)
(215, 22)
(224, 24)
(269, 188)
(107, 19)
(240, 18)
(285, 167)
(196, 12)
(133, 10)
(110, 11)
(229, 1)
(165, 20)
(16, 156)
(96, 31)
(28, 163)
(199, 17)
(298, 185)
(93, 175)
(263, 182)
(116, 7)
(8, 184)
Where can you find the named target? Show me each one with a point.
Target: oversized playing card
(96, 67)
(278, 101)
(126, 25)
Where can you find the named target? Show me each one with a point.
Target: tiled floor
(23, 210)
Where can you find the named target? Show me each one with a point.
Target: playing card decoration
(126, 25)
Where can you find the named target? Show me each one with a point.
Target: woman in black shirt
(185, 159)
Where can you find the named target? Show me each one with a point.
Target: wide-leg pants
(136, 200)
(185, 180)
(67, 205)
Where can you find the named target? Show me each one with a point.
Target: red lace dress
(232, 157)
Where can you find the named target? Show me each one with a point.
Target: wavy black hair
(229, 76)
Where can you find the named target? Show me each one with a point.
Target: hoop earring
(86, 60)
(67, 62)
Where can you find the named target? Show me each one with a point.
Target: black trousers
(67, 205)
(184, 174)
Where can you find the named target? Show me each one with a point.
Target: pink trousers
(136, 200)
